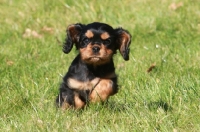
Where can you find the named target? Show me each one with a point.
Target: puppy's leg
(78, 102)
(104, 89)
(70, 98)
(66, 97)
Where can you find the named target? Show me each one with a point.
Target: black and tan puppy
(91, 76)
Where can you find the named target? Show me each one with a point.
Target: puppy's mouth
(95, 59)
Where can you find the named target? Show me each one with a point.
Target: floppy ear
(123, 42)
(73, 35)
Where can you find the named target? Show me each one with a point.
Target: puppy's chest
(82, 85)
(90, 80)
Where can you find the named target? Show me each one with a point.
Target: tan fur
(73, 32)
(87, 85)
(89, 34)
(102, 91)
(78, 102)
(102, 57)
(105, 35)
(126, 38)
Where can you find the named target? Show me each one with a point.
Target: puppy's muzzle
(95, 49)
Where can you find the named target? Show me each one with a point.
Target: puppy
(91, 76)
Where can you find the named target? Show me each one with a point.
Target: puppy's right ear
(73, 35)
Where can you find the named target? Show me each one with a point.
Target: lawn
(159, 85)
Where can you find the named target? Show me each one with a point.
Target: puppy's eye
(86, 40)
(107, 41)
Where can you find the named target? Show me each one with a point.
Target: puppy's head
(97, 42)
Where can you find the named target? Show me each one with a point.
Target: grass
(31, 67)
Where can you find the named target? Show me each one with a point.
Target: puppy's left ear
(123, 42)
(73, 35)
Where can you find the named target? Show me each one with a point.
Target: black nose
(95, 49)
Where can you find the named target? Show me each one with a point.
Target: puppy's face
(97, 42)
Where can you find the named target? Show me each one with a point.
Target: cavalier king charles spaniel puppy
(91, 76)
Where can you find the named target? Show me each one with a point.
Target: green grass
(31, 69)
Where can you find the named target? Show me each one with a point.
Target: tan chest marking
(79, 85)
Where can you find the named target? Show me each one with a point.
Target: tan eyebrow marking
(105, 35)
(89, 34)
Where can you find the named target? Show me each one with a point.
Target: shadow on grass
(120, 107)
(159, 104)
(112, 106)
